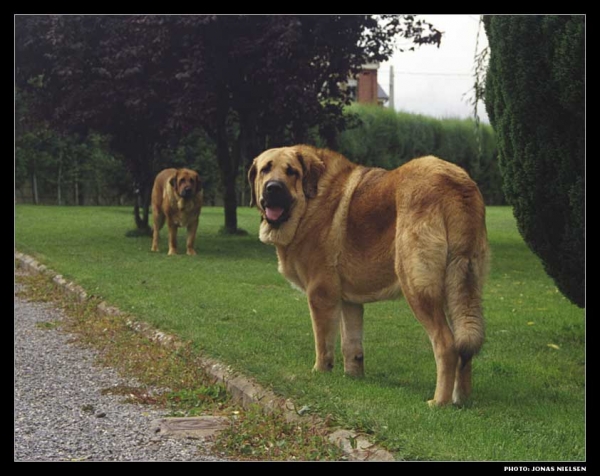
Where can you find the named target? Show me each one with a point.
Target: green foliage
(388, 139)
(67, 169)
(70, 169)
(535, 101)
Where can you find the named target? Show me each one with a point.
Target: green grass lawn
(528, 400)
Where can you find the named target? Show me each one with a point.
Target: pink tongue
(273, 214)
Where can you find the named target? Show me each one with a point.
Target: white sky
(432, 81)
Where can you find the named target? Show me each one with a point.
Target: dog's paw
(354, 373)
(433, 403)
(327, 367)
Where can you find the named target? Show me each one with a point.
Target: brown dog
(349, 235)
(176, 198)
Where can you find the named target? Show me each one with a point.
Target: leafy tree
(249, 81)
(69, 169)
(273, 78)
(101, 73)
(32, 159)
(535, 98)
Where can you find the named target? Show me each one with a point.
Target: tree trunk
(228, 175)
(59, 185)
(34, 188)
(330, 134)
(98, 187)
(146, 207)
(228, 166)
(142, 203)
(76, 178)
(230, 201)
(250, 146)
(299, 132)
(142, 172)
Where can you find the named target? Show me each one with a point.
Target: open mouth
(276, 203)
(275, 214)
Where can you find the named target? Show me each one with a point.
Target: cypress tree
(535, 99)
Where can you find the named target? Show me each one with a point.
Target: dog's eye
(291, 171)
(267, 168)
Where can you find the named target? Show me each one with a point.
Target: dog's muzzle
(276, 202)
(187, 192)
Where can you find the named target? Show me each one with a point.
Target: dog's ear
(173, 180)
(251, 180)
(312, 168)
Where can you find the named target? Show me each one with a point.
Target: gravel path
(60, 413)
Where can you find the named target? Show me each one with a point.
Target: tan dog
(176, 198)
(349, 235)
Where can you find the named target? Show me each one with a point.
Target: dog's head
(281, 182)
(186, 183)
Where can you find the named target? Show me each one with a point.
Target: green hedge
(386, 138)
(535, 98)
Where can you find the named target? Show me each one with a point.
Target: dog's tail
(465, 274)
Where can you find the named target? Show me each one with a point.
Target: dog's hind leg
(421, 255)
(430, 313)
(464, 287)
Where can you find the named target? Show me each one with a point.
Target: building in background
(365, 89)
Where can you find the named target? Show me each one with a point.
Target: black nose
(273, 186)
(187, 192)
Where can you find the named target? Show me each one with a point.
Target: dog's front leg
(172, 237)
(191, 237)
(325, 312)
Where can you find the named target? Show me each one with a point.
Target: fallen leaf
(530, 323)
(553, 346)
(76, 460)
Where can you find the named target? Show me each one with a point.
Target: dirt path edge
(243, 389)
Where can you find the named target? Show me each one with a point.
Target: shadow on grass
(226, 246)
(239, 232)
(123, 210)
(516, 258)
(136, 233)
